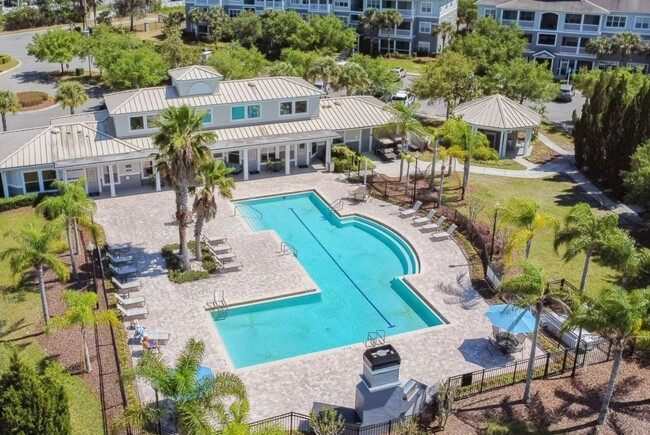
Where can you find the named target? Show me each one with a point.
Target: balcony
(273, 4)
(318, 8)
(568, 49)
(572, 27)
(406, 13)
(399, 33)
(526, 24)
(593, 28)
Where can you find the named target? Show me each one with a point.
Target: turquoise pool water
(356, 264)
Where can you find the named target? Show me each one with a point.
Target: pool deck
(428, 355)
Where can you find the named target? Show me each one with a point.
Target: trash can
(146, 25)
(79, 71)
(161, 17)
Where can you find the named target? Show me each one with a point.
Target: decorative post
(494, 228)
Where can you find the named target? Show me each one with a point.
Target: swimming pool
(355, 262)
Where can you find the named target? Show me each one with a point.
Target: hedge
(4, 58)
(19, 201)
(175, 266)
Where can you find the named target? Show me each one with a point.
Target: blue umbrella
(204, 372)
(514, 319)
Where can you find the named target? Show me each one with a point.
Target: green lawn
(410, 65)
(19, 315)
(556, 196)
(499, 164)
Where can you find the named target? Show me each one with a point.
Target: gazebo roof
(497, 112)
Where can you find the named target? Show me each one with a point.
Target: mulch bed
(541, 154)
(564, 404)
(43, 105)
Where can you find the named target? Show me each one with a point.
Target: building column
(86, 177)
(99, 179)
(157, 179)
(287, 159)
(5, 188)
(529, 136)
(371, 139)
(245, 168)
(65, 175)
(328, 153)
(502, 145)
(111, 180)
(259, 158)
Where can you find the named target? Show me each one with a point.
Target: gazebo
(501, 119)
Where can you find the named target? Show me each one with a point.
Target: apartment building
(558, 30)
(415, 34)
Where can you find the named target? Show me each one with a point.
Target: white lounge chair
(126, 286)
(137, 301)
(411, 211)
(360, 193)
(117, 260)
(229, 267)
(215, 240)
(228, 256)
(444, 235)
(124, 270)
(434, 226)
(216, 249)
(132, 313)
(424, 220)
(160, 337)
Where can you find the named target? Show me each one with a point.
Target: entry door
(565, 64)
(106, 180)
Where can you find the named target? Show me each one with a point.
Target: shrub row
(19, 201)
(175, 265)
(31, 98)
(345, 159)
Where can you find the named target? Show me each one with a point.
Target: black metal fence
(294, 422)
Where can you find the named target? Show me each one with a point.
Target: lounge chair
(117, 249)
(117, 260)
(444, 235)
(424, 220)
(160, 337)
(125, 287)
(132, 313)
(216, 249)
(137, 301)
(411, 211)
(434, 226)
(215, 240)
(151, 345)
(361, 194)
(228, 267)
(228, 256)
(123, 270)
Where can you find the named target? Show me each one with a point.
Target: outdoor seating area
(387, 148)
(150, 340)
(510, 324)
(222, 253)
(408, 212)
(554, 323)
(120, 264)
(359, 193)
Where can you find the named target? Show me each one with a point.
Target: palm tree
(72, 205)
(36, 251)
(182, 149)
(372, 21)
(71, 94)
(625, 255)
(524, 215)
(81, 312)
(405, 121)
(352, 77)
(444, 30)
(533, 292)
(213, 178)
(198, 402)
(600, 46)
(625, 44)
(617, 315)
(324, 68)
(585, 232)
(217, 20)
(8, 104)
(409, 159)
(392, 19)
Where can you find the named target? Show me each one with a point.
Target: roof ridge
(24, 129)
(137, 91)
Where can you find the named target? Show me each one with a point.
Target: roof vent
(338, 103)
(55, 130)
(251, 84)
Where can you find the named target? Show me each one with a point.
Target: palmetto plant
(198, 402)
(182, 149)
(71, 94)
(372, 21)
(626, 43)
(70, 207)
(405, 121)
(81, 312)
(392, 19)
(352, 77)
(600, 46)
(36, 250)
(524, 215)
(583, 231)
(323, 68)
(617, 315)
(213, 179)
(444, 30)
(626, 256)
(8, 104)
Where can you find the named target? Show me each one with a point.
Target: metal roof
(587, 6)
(229, 92)
(497, 112)
(194, 72)
(85, 117)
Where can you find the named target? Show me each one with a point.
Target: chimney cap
(382, 356)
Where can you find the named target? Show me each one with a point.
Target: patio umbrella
(514, 319)
(204, 372)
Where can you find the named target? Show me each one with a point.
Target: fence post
(514, 375)
(291, 422)
(482, 377)
(548, 360)
(390, 426)
(566, 352)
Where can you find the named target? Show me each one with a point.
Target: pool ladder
(287, 248)
(337, 205)
(376, 338)
(220, 306)
(259, 216)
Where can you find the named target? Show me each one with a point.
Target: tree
(217, 20)
(405, 121)
(584, 232)
(600, 46)
(55, 46)
(71, 94)
(451, 78)
(31, 404)
(8, 104)
(136, 68)
(392, 20)
(324, 68)
(213, 179)
(72, 205)
(198, 401)
(182, 149)
(637, 179)
(173, 21)
(625, 44)
(352, 77)
(532, 289)
(521, 80)
(238, 63)
(134, 9)
(626, 256)
(618, 316)
(327, 34)
(372, 21)
(301, 61)
(466, 14)
(174, 52)
(36, 250)
(277, 28)
(380, 76)
(444, 30)
(246, 28)
(279, 68)
(81, 312)
(524, 215)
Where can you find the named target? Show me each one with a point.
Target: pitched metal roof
(233, 91)
(194, 72)
(586, 6)
(498, 113)
(85, 117)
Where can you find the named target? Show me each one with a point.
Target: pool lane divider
(388, 322)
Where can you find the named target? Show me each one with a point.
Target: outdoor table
(387, 141)
(507, 342)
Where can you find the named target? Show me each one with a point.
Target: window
(32, 184)
(592, 20)
(569, 41)
(584, 42)
(424, 47)
(207, 118)
(545, 39)
(642, 23)
(509, 15)
(289, 108)
(286, 108)
(425, 27)
(48, 176)
(573, 19)
(526, 16)
(237, 113)
(549, 21)
(106, 176)
(528, 37)
(254, 111)
(147, 168)
(341, 3)
(426, 7)
(374, 4)
(301, 106)
(151, 119)
(491, 13)
(137, 122)
(232, 13)
(615, 21)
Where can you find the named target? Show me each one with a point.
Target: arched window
(199, 88)
(549, 21)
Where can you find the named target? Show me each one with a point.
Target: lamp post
(415, 178)
(494, 228)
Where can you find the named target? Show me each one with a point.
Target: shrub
(485, 153)
(345, 159)
(4, 58)
(19, 201)
(31, 98)
(180, 277)
(175, 265)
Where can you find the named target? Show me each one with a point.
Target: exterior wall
(184, 87)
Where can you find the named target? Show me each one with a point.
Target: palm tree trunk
(87, 363)
(198, 229)
(4, 122)
(73, 261)
(583, 281)
(62, 70)
(132, 17)
(529, 243)
(433, 165)
(182, 226)
(41, 286)
(71, 110)
(465, 177)
(618, 357)
(531, 360)
(401, 159)
(442, 181)
(76, 236)
(408, 169)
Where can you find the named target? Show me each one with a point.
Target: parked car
(399, 72)
(322, 87)
(403, 97)
(566, 94)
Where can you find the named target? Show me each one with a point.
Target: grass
(8, 65)
(410, 65)
(541, 154)
(560, 137)
(21, 312)
(499, 164)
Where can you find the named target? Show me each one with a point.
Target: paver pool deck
(428, 355)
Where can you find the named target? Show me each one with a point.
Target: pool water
(355, 262)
